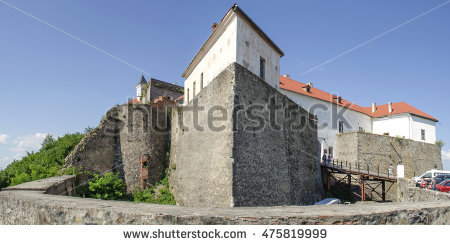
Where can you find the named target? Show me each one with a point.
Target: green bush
(47, 162)
(159, 194)
(108, 187)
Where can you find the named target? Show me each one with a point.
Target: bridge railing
(362, 168)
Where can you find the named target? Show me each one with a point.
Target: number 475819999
(295, 233)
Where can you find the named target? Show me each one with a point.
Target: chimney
(374, 107)
(390, 108)
(287, 75)
(308, 87)
(214, 26)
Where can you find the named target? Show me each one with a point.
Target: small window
(423, 134)
(262, 67)
(341, 126)
(187, 92)
(193, 90)
(387, 134)
(201, 81)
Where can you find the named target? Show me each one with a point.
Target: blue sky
(51, 83)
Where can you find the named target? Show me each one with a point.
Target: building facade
(235, 39)
(336, 115)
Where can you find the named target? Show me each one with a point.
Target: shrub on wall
(158, 194)
(108, 187)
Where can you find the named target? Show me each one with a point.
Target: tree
(440, 143)
(87, 130)
(48, 142)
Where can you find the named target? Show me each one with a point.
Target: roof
(399, 108)
(143, 81)
(297, 87)
(223, 23)
(133, 101)
(382, 110)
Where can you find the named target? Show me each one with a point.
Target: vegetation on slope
(47, 162)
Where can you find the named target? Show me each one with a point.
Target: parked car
(430, 174)
(441, 178)
(444, 186)
(328, 201)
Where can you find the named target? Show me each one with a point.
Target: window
(262, 65)
(341, 126)
(201, 81)
(330, 151)
(387, 134)
(187, 92)
(193, 90)
(423, 134)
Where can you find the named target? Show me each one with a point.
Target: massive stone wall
(29, 205)
(237, 151)
(124, 135)
(383, 151)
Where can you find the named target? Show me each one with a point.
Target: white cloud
(28, 143)
(3, 138)
(446, 154)
(4, 159)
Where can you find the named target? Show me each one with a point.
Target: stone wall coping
(381, 135)
(146, 209)
(40, 185)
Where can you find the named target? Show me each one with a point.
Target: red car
(444, 186)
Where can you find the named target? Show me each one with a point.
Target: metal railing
(360, 168)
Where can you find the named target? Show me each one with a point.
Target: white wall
(406, 125)
(216, 59)
(138, 91)
(249, 56)
(395, 125)
(324, 112)
(419, 123)
(231, 46)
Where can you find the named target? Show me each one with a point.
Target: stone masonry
(29, 205)
(380, 150)
(124, 135)
(157, 88)
(252, 146)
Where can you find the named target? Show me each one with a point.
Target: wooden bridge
(345, 173)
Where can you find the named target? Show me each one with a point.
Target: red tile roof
(398, 108)
(133, 101)
(382, 110)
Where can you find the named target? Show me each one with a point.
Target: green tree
(47, 162)
(48, 142)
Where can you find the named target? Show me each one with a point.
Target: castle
(246, 136)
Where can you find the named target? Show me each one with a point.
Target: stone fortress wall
(383, 151)
(46, 202)
(241, 164)
(125, 134)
